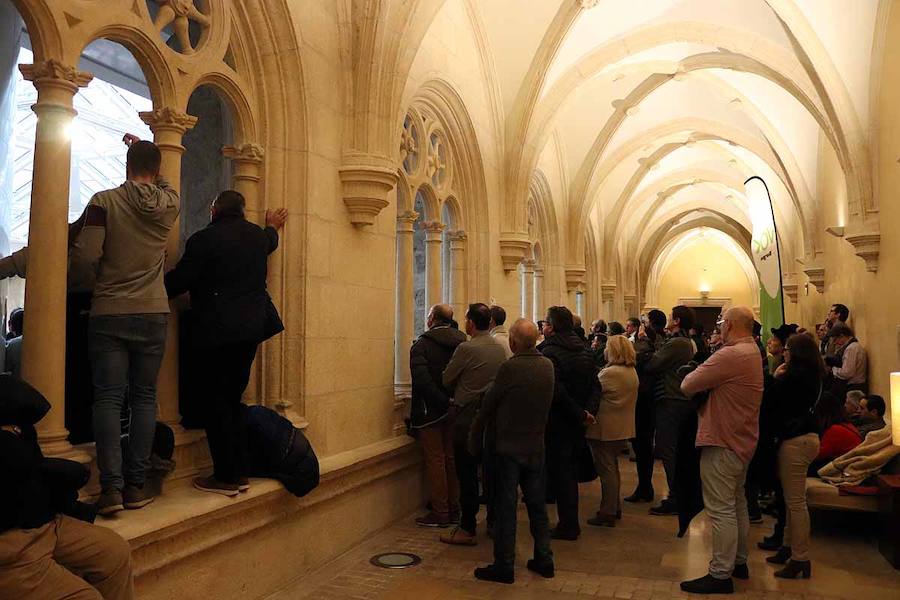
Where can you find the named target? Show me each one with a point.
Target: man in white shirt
(632, 325)
(849, 363)
(498, 331)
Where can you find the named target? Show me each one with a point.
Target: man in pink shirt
(727, 432)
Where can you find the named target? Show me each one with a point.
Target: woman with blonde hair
(614, 426)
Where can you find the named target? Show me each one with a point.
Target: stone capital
(51, 71)
(247, 153)
(366, 181)
(513, 248)
(575, 277)
(168, 119)
(791, 290)
(457, 235)
(433, 230)
(406, 221)
(607, 290)
(528, 265)
(816, 277)
(867, 246)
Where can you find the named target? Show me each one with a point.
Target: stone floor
(639, 559)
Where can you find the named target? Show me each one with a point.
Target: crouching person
(45, 553)
(516, 409)
(278, 450)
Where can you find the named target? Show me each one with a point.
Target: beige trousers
(66, 558)
(606, 461)
(794, 457)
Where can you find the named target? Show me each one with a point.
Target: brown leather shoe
(459, 537)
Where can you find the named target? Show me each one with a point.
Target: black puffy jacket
(427, 360)
(577, 388)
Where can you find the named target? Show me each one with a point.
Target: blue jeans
(126, 352)
(529, 474)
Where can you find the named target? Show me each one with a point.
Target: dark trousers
(226, 372)
(509, 473)
(562, 479)
(644, 429)
(467, 474)
(671, 416)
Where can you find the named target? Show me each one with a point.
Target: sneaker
(110, 502)
(666, 507)
(433, 519)
(492, 573)
(213, 485)
(459, 537)
(708, 585)
(545, 570)
(243, 484)
(741, 571)
(136, 497)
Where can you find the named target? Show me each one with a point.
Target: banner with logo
(766, 257)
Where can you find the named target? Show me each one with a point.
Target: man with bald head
(727, 433)
(516, 409)
(428, 358)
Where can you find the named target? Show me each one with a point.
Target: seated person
(45, 552)
(837, 435)
(278, 450)
(871, 414)
(852, 404)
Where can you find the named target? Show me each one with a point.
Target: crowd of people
(117, 255)
(734, 422)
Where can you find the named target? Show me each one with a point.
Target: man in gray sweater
(123, 243)
(516, 410)
(468, 376)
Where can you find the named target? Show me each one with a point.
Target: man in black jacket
(428, 358)
(576, 398)
(672, 407)
(224, 269)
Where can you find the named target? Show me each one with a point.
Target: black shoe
(560, 534)
(136, 497)
(781, 558)
(794, 569)
(491, 573)
(544, 570)
(741, 571)
(666, 507)
(770, 543)
(640, 495)
(708, 585)
(602, 521)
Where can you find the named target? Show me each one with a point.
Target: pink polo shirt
(730, 419)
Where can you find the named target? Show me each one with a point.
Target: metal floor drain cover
(395, 560)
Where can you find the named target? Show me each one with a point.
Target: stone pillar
(168, 126)
(539, 308)
(575, 279)
(433, 247)
(528, 288)
(403, 333)
(246, 163)
(44, 349)
(458, 293)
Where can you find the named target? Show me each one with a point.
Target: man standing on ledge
(516, 408)
(727, 433)
(224, 269)
(123, 243)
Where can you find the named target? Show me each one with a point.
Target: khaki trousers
(794, 458)
(440, 466)
(606, 461)
(66, 558)
(723, 474)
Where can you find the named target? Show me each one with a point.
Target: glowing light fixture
(895, 408)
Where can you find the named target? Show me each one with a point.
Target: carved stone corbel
(513, 248)
(607, 290)
(790, 288)
(366, 181)
(575, 278)
(816, 277)
(867, 247)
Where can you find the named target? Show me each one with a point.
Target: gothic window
(419, 308)
(437, 160)
(181, 23)
(409, 145)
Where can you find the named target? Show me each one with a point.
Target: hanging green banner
(766, 257)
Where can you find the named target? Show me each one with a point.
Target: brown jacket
(615, 418)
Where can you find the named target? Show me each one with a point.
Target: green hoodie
(124, 243)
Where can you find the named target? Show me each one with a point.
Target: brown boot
(459, 537)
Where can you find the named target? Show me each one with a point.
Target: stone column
(575, 280)
(433, 273)
(403, 333)
(458, 292)
(246, 163)
(608, 296)
(44, 349)
(528, 287)
(168, 126)
(539, 307)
